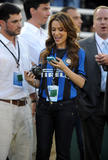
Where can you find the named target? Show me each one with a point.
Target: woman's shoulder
(81, 51)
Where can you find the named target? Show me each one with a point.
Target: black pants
(59, 118)
(93, 131)
(78, 129)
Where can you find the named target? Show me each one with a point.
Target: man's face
(76, 17)
(41, 14)
(100, 23)
(12, 26)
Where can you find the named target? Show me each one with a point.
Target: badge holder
(53, 93)
(17, 80)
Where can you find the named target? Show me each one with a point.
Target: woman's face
(59, 34)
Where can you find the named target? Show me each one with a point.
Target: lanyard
(99, 47)
(16, 60)
(105, 68)
(54, 79)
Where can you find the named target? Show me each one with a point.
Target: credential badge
(68, 61)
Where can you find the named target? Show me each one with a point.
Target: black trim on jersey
(44, 83)
(67, 88)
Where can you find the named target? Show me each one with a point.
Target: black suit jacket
(106, 98)
(93, 83)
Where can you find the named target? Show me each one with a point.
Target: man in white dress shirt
(37, 13)
(15, 113)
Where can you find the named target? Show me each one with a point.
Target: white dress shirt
(100, 48)
(35, 39)
(8, 66)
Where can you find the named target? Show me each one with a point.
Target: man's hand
(102, 59)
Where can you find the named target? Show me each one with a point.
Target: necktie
(105, 47)
(104, 73)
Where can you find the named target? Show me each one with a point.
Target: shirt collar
(99, 40)
(5, 40)
(32, 27)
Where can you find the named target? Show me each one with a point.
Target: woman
(56, 109)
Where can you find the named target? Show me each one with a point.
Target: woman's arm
(74, 77)
(30, 78)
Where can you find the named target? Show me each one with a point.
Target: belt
(18, 102)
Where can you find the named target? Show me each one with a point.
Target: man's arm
(34, 99)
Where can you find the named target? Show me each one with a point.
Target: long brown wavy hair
(71, 42)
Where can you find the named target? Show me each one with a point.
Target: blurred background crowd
(76, 3)
(80, 4)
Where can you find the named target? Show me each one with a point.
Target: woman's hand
(29, 77)
(58, 63)
(75, 78)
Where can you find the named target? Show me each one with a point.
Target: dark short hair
(32, 4)
(8, 8)
(65, 9)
